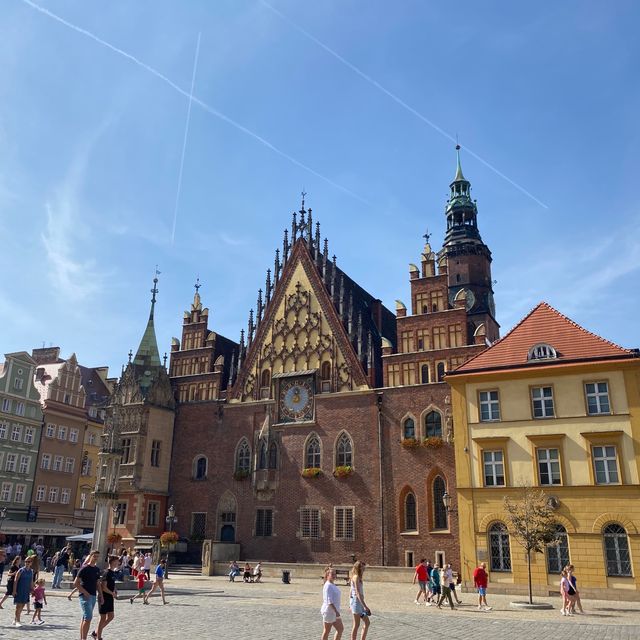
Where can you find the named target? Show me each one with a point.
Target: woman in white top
(331, 606)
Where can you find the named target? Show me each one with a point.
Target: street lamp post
(446, 500)
(171, 519)
(116, 517)
(3, 515)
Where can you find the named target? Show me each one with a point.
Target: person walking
(142, 587)
(22, 589)
(39, 600)
(574, 581)
(147, 565)
(481, 581)
(159, 582)
(107, 586)
(330, 609)
(88, 591)
(568, 594)
(448, 580)
(11, 576)
(445, 590)
(359, 609)
(420, 574)
(435, 584)
(61, 565)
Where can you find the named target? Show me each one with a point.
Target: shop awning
(83, 537)
(12, 527)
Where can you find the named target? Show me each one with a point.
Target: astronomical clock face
(296, 400)
(471, 299)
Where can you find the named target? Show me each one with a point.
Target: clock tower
(467, 258)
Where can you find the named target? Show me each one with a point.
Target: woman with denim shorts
(359, 609)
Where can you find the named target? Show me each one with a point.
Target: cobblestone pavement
(202, 608)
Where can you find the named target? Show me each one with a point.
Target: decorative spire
(250, 327)
(294, 227)
(164, 360)
(259, 308)
(459, 177)
(196, 306)
(147, 355)
(267, 291)
(197, 285)
(130, 354)
(310, 232)
(276, 267)
(318, 238)
(285, 246)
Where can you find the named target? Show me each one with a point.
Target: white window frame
(493, 464)
(540, 399)
(51, 430)
(344, 521)
(6, 492)
(29, 434)
(604, 456)
(41, 493)
(598, 396)
(73, 435)
(20, 493)
(58, 461)
(491, 404)
(45, 461)
(19, 408)
(65, 495)
(69, 465)
(548, 462)
(18, 383)
(11, 462)
(4, 430)
(83, 500)
(6, 405)
(53, 494)
(16, 433)
(25, 463)
(62, 432)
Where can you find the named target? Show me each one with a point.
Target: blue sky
(91, 146)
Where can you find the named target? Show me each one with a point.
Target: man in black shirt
(109, 593)
(86, 583)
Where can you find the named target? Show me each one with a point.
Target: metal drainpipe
(382, 539)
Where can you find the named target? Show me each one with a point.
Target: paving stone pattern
(213, 607)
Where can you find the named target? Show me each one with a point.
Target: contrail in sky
(395, 98)
(199, 102)
(184, 141)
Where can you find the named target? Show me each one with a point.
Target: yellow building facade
(557, 408)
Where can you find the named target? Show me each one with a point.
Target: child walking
(39, 600)
(142, 579)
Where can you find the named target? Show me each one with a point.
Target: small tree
(531, 523)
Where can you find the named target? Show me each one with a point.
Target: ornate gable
(300, 332)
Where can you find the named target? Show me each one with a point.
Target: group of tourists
(436, 584)
(26, 585)
(248, 574)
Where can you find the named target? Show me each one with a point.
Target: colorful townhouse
(557, 408)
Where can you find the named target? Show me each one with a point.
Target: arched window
(325, 371)
(616, 548)
(243, 457)
(409, 428)
(344, 451)
(265, 379)
(424, 374)
(440, 371)
(439, 510)
(273, 456)
(499, 547)
(558, 551)
(200, 468)
(433, 424)
(410, 518)
(312, 454)
(262, 458)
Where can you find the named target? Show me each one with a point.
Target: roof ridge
(579, 326)
(504, 337)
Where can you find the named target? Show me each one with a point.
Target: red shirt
(141, 580)
(421, 570)
(480, 577)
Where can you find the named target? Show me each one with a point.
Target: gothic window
(440, 369)
(433, 424)
(262, 458)
(243, 457)
(265, 384)
(200, 468)
(439, 510)
(325, 376)
(410, 513)
(344, 451)
(558, 551)
(409, 428)
(499, 547)
(273, 456)
(616, 548)
(312, 453)
(424, 374)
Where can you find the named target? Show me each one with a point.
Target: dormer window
(542, 351)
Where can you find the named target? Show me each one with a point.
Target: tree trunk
(529, 570)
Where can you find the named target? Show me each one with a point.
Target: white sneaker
(17, 624)
(563, 612)
(488, 608)
(40, 622)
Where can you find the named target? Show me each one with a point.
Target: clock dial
(296, 400)
(471, 299)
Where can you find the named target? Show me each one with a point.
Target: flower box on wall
(311, 472)
(410, 443)
(433, 442)
(240, 474)
(343, 472)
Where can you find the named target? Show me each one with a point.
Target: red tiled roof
(544, 325)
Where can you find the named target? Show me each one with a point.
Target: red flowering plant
(169, 537)
(114, 538)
